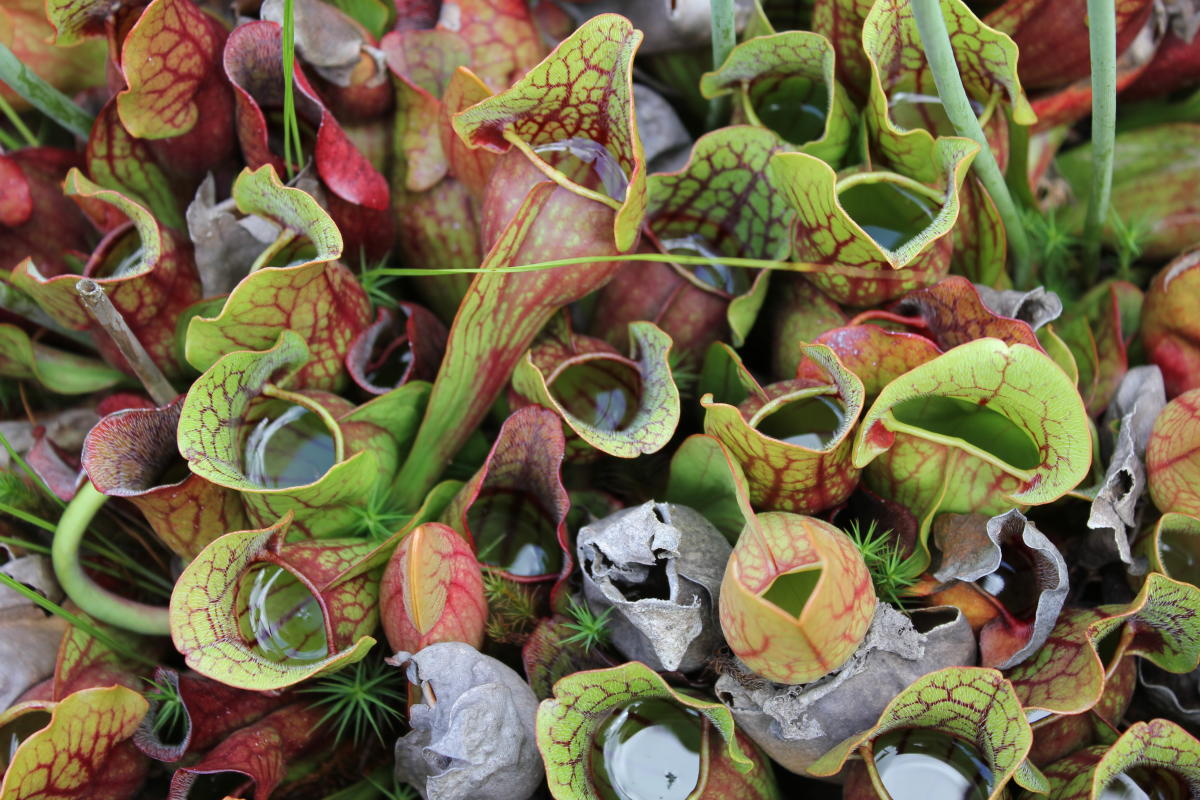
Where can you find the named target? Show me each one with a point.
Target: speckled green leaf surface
(1155, 755)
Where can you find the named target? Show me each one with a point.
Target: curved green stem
(92, 598)
(1102, 36)
(654, 258)
(938, 51)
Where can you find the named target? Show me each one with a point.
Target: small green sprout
(170, 714)
(374, 281)
(590, 629)
(378, 518)
(363, 698)
(891, 573)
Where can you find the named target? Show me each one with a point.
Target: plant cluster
(499, 399)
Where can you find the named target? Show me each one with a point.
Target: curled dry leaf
(659, 566)
(1134, 408)
(29, 637)
(797, 724)
(1007, 558)
(473, 736)
(225, 246)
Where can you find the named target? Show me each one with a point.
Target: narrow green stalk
(18, 123)
(92, 598)
(940, 54)
(8, 141)
(291, 126)
(42, 96)
(28, 470)
(74, 619)
(33, 547)
(1102, 36)
(26, 517)
(724, 37)
(655, 258)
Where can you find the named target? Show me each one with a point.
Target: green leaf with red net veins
(975, 705)
(171, 61)
(578, 727)
(74, 748)
(720, 203)
(60, 371)
(357, 194)
(624, 407)
(1067, 675)
(296, 284)
(983, 427)
(951, 313)
(841, 22)
(132, 454)
(838, 221)
(256, 612)
(1156, 758)
(500, 316)
(120, 161)
(504, 38)
(799, 312)
(1169, 330)
(904, 114)
(797, 598)
(145, 269)
(304, 451)
(261, 752)
(432, 591)
(786, 82)
(1172, 457)
(579, 100)
(792, 439)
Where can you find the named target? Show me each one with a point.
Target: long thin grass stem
(42, 96)
(940, 54)
(291, 125)
(18, 123)
(1102, 36)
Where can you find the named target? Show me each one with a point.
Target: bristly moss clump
(891, 572)
(366, 697)
(512, 609)
(590, 629)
